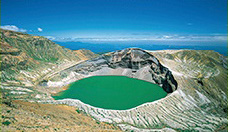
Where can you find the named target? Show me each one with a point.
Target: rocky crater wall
(192, 107)
(130, 62)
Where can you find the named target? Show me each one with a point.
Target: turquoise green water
(112, 92)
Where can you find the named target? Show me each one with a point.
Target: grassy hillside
(24, 56)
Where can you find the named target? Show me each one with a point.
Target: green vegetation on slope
(21, 51)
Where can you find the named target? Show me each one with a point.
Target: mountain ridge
(25, 52)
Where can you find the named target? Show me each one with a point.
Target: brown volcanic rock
(136, 58)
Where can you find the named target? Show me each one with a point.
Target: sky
(118, 20)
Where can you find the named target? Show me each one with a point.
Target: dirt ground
(26, 116)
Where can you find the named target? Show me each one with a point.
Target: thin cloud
(50, 37)
(40, 29)
(141, 34)
(13, 28)
(147, 38)
(17, 29)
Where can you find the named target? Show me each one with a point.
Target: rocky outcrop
(137, 63)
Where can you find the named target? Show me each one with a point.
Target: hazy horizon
(120, 21)
(109, 47)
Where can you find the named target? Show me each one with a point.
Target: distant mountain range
(217, 46)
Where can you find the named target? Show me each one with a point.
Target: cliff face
(137, 59)
(25, 58)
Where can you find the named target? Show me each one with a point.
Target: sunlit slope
(24, 57)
